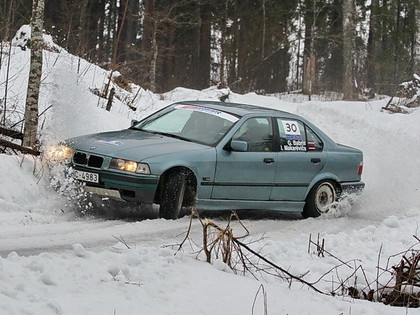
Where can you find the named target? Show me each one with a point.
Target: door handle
(268, 160)
(315, 160)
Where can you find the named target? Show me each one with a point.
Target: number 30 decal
(290, 127)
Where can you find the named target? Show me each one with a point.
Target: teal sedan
(217, 156)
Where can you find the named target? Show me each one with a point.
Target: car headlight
(60, 152)
(129, 166)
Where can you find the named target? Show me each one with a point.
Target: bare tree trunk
(373, 46)
(233, 57)
(148, 40)
(122, 31)
(83, 21)
(417, 43)
(100, 40)
(114, 60)
(154, 57)
(263, 31)
(204, 59)
(122, 16)
(309, 57)
(223, 79)
(35, 72)
(309, 73)
(348, 49)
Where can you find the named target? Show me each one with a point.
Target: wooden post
(110, 99)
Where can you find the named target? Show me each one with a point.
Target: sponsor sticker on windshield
(209, 111)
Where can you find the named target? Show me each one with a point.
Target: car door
(301, 158)
(247, 175)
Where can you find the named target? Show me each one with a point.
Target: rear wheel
(173, 196)
(320, 199)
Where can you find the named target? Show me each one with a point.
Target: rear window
(313, 141)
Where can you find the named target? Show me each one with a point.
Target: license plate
(86, 176)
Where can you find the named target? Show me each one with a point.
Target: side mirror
(133, 122)
(240, 146)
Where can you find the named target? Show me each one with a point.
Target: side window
(314, 142)
(292, 135)
(258, 133)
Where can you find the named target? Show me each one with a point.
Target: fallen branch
(402, 289)
(11, 133)
(321, 250)
(226, 244)
(279, 268)
(18, 147)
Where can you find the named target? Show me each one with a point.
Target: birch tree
(35, 72)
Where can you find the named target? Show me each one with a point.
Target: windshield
(190, 122)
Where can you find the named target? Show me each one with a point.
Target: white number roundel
(291, 127)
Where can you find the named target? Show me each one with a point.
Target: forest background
(263, 46)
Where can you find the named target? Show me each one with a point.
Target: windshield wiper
(135, 128)
(169, 135)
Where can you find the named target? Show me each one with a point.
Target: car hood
(131, 144)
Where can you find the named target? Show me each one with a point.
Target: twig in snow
(121, 240)
(262, 289)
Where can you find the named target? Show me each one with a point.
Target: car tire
(173, 196)
(319, 199)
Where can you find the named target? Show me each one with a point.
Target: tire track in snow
(93, 235)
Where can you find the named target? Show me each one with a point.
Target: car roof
(237, 108)
(246, 109)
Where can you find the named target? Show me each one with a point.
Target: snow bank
(23, 37)
(25, 193)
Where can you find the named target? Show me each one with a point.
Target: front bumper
(110, 193)
(133, 188)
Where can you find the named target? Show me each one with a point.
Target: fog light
(60, 152)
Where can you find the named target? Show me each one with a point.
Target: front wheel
(320, 199)
(173, 196)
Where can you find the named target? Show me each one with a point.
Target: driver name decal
(295, 145)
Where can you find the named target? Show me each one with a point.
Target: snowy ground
(55, 261)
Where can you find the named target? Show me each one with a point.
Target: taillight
(360, 169)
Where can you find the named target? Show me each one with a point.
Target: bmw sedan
(217, 156)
